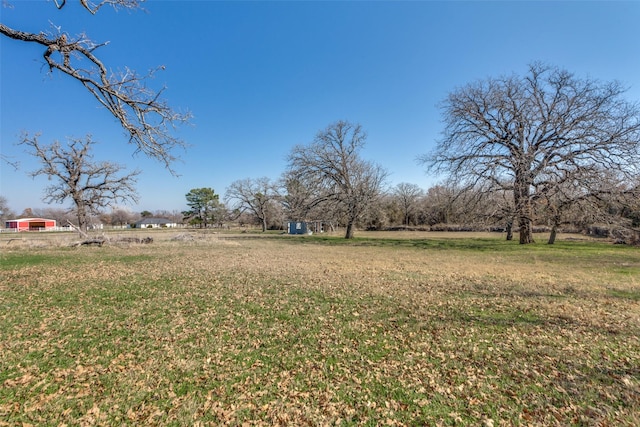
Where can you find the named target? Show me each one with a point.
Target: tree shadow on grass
(502, 318)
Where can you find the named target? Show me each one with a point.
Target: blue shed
(297, 227)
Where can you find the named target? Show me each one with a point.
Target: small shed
(307, 227)
(31, 224)
(297, 227)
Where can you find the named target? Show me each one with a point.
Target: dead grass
(211, 329)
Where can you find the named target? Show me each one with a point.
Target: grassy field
(395, 329)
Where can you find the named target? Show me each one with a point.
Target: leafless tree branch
(147, 119)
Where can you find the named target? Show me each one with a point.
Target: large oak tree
(528, 134)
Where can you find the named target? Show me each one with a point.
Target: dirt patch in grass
(231, 330)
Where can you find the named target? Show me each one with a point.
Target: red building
(31, 224)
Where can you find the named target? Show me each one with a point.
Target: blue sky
(261, 77)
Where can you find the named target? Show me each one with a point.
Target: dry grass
(207, 329)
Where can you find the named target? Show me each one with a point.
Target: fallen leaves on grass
(263, 332)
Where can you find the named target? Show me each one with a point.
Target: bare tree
(275, 215)
(376, 216)
(499, 211)
(252, 195)
(27, 213)
(408, 196)
(450, 206)
(90, 185)
(331, 164)
(440, 204)
(594, 196)
(173, 216)
(61, 215)
(391, 211)
(140, 110)
(5, 211)
(522, 134)
(122, 217)
(299, 198)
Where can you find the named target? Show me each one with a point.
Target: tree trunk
(522, 204)
(509, 230)
(526, 233)
(349, 232)
(264, 223)
(81, 212)
(554, 228)
(552, 236)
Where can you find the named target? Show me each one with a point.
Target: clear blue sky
(261, 77)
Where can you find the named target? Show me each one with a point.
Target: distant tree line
(446, 207)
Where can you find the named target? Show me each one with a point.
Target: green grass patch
(9, 261)
(631, 294)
